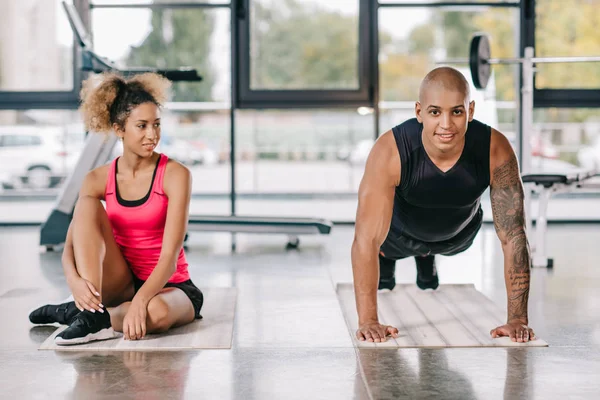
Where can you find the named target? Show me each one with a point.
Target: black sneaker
(54, 313)
(427, 277)
(87, 327)
(387, 273)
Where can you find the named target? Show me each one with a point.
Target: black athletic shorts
(187, 287)
(397, 246)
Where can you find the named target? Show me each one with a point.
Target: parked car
(36, 157)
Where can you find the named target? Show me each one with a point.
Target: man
(420, 196)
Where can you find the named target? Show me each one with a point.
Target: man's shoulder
(478, 125)
(411, 125)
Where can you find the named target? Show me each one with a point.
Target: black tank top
(432, 205)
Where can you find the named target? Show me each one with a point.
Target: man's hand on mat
(134, 323)
(517, 331)
(85, 295)
(375, 332)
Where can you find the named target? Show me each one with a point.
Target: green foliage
(561, 30)
(406, 62)
(296, 46)
(501, 27)
(179, 38)
(571, 30)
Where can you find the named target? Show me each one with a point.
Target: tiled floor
(290, 339)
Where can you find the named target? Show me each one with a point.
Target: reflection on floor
(290, 338)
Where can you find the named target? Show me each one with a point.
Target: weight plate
(479, 54)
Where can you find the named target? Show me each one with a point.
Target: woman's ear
(118, 131)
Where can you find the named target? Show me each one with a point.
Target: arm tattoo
(507, 206)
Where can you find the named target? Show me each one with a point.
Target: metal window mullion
(161, 5)
(303, 98)
(469, 4)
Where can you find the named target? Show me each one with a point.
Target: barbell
(480, 61)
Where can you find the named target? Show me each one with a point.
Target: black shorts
(396, 246)
(187, 287)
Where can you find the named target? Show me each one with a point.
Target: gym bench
(238, 224)
(545, 186)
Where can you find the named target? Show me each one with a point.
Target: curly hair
(112, 99)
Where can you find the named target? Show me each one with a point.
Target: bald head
(447, 79)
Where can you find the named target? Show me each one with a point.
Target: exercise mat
(454, 315)
(213, 331)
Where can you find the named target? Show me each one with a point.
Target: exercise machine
(97, 151)
(546, 185)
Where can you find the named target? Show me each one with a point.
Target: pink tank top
(138, 226)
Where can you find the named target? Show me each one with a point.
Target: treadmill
(97, 151)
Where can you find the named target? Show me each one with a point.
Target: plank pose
(420, 196)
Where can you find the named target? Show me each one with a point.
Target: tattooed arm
(507, 198)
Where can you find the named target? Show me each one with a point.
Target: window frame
(55, 99)
(548, 98)
(248, 98)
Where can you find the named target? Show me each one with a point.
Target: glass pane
(197, 127)
(567, 138)
(567, 28)
(35, 171)
(37, 46)
(38, 149)
(171, 38)
(430, 35)
(301, 163)
(196, 131)
(304, 44)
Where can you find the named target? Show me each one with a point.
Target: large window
(37, 46)
(170, 38)
(36, 56)
(566, 28)
(38, 150)
(559, 29)
(305, 92)
(303, 53)
(570, 138)
(196, 120)
(304, 45)
(196, 123)
(302, 162)
(431, 35)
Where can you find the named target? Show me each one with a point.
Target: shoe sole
(104, 334)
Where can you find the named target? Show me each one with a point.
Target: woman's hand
(85, 295)
(134, 323)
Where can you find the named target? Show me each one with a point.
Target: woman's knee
(88, 209)
(159, 315)
(87, 204)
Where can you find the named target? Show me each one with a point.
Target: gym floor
(290, 339)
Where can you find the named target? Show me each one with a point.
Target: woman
(126, 266)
